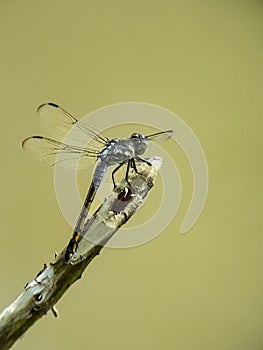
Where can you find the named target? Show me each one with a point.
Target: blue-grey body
(116, 152)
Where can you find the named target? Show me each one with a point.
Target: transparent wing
(59, 122)
(160, 136)
(53, 153)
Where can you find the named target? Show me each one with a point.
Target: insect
(107, 152)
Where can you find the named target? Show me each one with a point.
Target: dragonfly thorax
(112, 142)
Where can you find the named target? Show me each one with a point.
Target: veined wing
(160, 136)
(53, 153)
(60, 124)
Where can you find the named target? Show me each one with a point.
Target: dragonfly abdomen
(99, 173)
(83, 218)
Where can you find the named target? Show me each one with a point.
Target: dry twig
(41, 295)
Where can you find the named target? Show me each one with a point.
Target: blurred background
(202, 61)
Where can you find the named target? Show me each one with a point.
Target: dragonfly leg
(127, 172)
(143, 160)
(114, 171)
(133, 164)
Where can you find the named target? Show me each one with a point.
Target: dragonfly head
(140, 143)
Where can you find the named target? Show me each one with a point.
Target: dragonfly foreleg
(133, 164)
(143, 160)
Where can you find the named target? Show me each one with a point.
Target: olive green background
(199, 59)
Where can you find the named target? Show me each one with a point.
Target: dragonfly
(106, 152)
